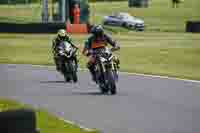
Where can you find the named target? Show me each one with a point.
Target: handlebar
(99, 51)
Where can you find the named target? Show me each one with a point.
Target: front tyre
(113, 89)
(74, 76)
(104, 88)
(64, 71)
(67, 78)
(67, 72)
(111, 83)
(102, 85)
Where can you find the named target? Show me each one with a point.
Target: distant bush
(3, 1)
(105, 0)
(17, 1)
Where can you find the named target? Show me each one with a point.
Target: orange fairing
(98, 44)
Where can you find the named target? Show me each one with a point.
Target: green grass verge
(20, 13)
(160, 16)
(171, 54)
(46, 122)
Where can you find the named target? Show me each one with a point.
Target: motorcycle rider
(61, 36)
(97, 40)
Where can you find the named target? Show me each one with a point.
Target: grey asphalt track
(142, 105)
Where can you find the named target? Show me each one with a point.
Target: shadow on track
(88, 93)
(47, 82)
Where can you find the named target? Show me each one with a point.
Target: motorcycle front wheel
(66, 72)
(111, 82)
(74, 76)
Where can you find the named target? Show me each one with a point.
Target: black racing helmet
(97, 30)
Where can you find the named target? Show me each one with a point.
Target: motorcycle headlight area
(102, 59)
(61, 52)
(106, 59)
(68, 49)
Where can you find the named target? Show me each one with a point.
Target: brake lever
(115, 49)
(112, 49)
(88, 54)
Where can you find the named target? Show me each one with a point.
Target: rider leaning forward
(61, 36)
(97, 40)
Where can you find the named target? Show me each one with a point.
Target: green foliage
(160, 16)
(84, 11)
(105, 0)
(17, 1)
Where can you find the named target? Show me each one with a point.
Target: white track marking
(76, 124)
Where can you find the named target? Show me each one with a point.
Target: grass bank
(159, 16)
(46, 122)
(171, 54)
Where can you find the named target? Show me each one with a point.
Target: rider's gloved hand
(61, 52)
(75, 49)
(89, 52)
(115, 48)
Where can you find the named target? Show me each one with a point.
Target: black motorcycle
(106, 70)
(67, 55)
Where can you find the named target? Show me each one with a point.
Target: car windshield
(125, 16)
(128, 17)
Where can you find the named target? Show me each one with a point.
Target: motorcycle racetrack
(143, 104)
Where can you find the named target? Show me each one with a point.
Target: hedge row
(193, 26)
(32, 1)
(105, 0)
(31, 27)
(17, 1)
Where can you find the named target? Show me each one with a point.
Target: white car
(125, 20)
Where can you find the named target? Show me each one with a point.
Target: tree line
(34, 1)
(17, 1)
(105, 0)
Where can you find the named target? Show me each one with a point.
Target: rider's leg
(57, 63)
(76, 61)
(91, 67)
